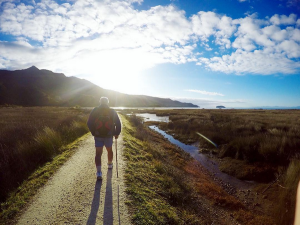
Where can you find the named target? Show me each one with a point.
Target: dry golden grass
(287, 196)
(253, 144)
(158, 191)
(252, 135)
(205, 186)
(31, 136)
(160, 173)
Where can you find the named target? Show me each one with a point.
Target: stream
(206, 162)
(153, 117)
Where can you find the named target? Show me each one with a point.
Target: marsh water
(153, 117)
(193, 150)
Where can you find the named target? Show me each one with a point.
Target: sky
(235, 53)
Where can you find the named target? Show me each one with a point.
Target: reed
(32, 136)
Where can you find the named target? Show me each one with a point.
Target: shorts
(100, 142)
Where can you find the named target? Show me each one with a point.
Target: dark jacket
(116, 122)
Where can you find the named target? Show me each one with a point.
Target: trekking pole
(118, 182)
(117, 158)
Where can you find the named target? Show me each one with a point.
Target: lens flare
(214, 144)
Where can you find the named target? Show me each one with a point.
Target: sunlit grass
(166, 186)
(158, 191)
(49, 140)
(253, 144)
(22, 195)
(270, 136)
(286, 210)
(32, 136)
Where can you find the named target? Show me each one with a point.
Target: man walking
(104, 124)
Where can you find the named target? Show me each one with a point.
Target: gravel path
(74, 196)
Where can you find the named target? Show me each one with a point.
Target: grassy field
(166, 186)
(18, 199)
(32, 136)
(251, 135)
(260, 145)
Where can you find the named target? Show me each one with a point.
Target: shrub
(270, 136)
(32, 136)
(48, 140)
(286, 209)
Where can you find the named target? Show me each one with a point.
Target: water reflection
(204, 160)
(153, 117)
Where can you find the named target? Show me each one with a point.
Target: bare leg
(99, 151)
(109, 154)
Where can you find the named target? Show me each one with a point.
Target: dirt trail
(74, 196)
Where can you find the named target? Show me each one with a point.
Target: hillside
(34, 87)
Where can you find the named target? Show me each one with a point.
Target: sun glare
(125, 83)
(117, 70)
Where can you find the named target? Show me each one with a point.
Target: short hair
(104, 101)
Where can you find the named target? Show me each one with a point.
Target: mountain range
(35, 87)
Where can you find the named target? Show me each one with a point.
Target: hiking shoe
(110, 166)
(99, 175)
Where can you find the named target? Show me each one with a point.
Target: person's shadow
(108, 205)
(95, 204)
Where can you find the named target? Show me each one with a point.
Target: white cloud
(73, 37)
(206, 24)
(167, 25)
(260, 49)
(294, 34)
(289, 47)
(3, 1)
(259, 62)
(283, 19)
(205, 92)
(209, 103)
(244, 43)
(275, 33)
(249, 34)
(89, 36)
(48, 20)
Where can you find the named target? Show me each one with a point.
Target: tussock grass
(267, 136)
(159, 192)
(22, 195)
(254, 145)
(287, 197)
(32, 136)
(166, 186)
(49, 140)
(260, 142)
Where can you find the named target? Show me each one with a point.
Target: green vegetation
(166, 186)
(153, 185)
(32, 136)
(28, 188)
(262, 137)
(287, 196)
(258, 145)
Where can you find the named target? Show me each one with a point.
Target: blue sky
(236, 53)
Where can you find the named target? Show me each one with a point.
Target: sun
(118, 69)
(127, 83)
